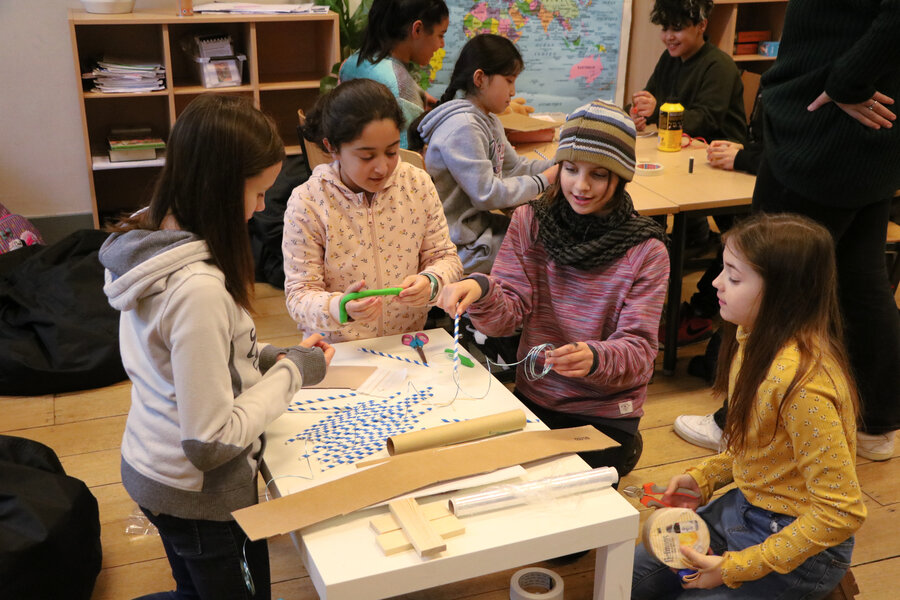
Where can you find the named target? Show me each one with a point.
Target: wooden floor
(85, 429)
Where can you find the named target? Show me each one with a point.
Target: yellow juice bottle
(671, 115)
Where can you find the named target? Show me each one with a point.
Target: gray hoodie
(476, 170)
(199, 405)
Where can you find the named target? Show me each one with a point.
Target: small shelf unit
(287, 56)
(730, 16)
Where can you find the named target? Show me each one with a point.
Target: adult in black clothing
(833, 153)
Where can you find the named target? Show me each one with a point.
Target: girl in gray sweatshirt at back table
(475, 168)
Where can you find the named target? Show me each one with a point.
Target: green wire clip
(466, 362)
(391, 291)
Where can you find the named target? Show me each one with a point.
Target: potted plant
(352, 26)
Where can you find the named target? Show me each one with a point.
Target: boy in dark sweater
(707, 83)
(693, 73)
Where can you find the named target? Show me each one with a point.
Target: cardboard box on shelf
(768, 48)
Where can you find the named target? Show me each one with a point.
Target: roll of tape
(667, 529)
(535, 583)
(648, 168)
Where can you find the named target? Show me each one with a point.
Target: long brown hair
(216, 144)
(794, 256)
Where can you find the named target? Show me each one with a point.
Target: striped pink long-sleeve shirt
(615, 309)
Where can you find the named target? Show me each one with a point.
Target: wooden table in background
(705, 191)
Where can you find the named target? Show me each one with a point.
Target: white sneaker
(878, 446)
(700, 431)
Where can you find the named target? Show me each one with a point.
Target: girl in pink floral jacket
(365, 220)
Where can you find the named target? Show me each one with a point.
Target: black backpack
(49, 526)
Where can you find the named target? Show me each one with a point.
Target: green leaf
(351, 30)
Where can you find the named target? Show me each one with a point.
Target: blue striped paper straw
(386, 355)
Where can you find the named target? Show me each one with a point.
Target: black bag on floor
(58, 332)
(49, 526)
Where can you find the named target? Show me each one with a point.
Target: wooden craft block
(417, 528)
(395, 541)
(432, 511)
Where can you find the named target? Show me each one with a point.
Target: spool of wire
(530, 362)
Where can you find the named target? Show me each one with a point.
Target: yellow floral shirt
(807, 469)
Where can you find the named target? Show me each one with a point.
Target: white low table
(341, 554)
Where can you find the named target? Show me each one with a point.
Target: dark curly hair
(677, 14)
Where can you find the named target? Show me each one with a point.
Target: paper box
(746, 48)
(521, 129)
(768, 48)
(220, 72)
(752, 36)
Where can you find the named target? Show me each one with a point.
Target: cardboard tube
(454, 433)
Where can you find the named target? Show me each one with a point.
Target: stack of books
(255, 8)
(136, 143)
(747, 42)
(118, 75)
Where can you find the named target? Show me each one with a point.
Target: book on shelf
(254, 8)
(133, 143)
(118, 75)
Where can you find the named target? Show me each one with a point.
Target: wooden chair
(312, 154)
(413, 158)
(751, 89)
(847, 589)
(315, 156)
(893, 254)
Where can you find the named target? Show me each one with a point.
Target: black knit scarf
(588, 241)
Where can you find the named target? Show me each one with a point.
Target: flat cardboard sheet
(519, 122)
(344, 377)
(407, 472)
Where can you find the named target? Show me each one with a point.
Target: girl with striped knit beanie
(580, 270)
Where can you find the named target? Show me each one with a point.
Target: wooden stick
(396, 541)
(431, 511)
(423, 536)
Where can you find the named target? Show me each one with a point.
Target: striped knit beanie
(599, 133)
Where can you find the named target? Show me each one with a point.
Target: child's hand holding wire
(456, 297)
(571, 360)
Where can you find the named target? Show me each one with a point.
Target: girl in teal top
(400, 34)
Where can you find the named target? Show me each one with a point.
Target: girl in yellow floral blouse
(786, 529)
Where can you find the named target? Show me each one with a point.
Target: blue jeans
(735, 524)
(206, 559)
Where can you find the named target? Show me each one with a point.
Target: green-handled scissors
(391, 291)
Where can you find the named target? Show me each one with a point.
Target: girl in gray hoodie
(475, 169)
(203, 389)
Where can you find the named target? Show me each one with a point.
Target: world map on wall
(570, 47)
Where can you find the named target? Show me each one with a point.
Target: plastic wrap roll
(455, 433)
(466, 505)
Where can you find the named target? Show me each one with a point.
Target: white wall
(42, 162)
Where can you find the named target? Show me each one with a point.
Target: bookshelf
(730, 16)
(287, 55)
